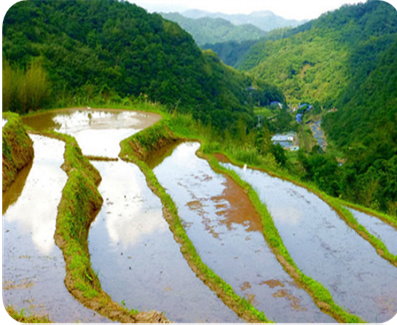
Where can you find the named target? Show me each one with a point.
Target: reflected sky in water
(226, 230)
(45, 176)
(132, 211)
(97, 131)
(136, 257)
(33, 266)
(325, 248)
(378, 228)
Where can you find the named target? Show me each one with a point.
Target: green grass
(128, 152)
(79, 205)
(22, 317)
(172, 127)
(349, 218)
(321, 295)
(17, 148)
(380, 215)
(185, 127)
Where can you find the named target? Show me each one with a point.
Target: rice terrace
(199, 166)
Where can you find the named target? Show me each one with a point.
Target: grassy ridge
(79, 205)
(184, 127)
(348, 217)
(131, 150)
(17, 148)
(23, 318)
(338, 206)
(321, 296)
(380, 215)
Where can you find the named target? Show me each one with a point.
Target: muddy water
(325, 248)
(226, 230)
(33, 266)
(386, 233)
(15, 190)
(97, 131)
(136, 257)
(130, 238)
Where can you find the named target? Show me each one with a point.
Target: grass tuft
(17, 148)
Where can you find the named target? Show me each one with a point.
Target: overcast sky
(297, 9)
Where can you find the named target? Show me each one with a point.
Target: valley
(146, 180)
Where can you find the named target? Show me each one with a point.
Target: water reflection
(386, 233)
(33, 267)
(14, 191)
(132, 247)
(97, 131)
(132, 211)
(226, 230)
(325, 248)
(38, 192)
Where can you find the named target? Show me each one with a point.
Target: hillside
(264, 20)
(316, 61)
(345, 59)
(212, 30)
(108, 50)
(233, 53)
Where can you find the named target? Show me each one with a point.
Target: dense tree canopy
(115, 48)
(345, 59)
(212, 30)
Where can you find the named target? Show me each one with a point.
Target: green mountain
(264, 20)
(114, 49)
(212, 30)
(317, 60)
(233, 53)
(345, 59)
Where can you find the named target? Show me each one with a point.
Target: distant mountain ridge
(264, 20)
(212, 30)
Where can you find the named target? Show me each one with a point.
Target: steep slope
(115, 49)
(317, 60)
(365, 127)
(345, 59)
(211, 30)
(233, 53)
(265, 20)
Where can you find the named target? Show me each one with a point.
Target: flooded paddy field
(97, 131)
(326, 249)
(33, 266)
(386, 233)
(226, 230)
(132, 249)
(137, 260)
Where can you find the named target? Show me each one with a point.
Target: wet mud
(226, 230)
(326, 249)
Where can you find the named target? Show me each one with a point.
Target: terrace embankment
(17, 148)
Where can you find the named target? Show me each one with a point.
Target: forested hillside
(345, 59)
(212, 30)
(265, 20)
(318, 60)
(108, 49)
(233, 53)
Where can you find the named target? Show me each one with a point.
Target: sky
(298, 9)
